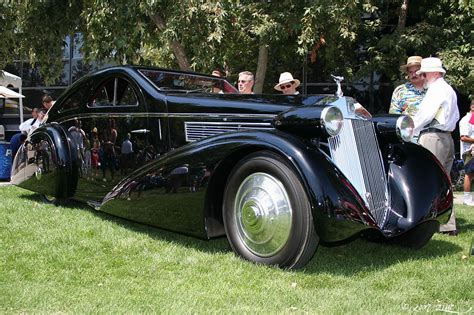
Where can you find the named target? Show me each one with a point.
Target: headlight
(332, 120)
(405, 127)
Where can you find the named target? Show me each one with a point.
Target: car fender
(418, 192)
(338, 210)
(46, 164)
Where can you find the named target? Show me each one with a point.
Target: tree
(349, 37)
(35, 31)
(434, 28)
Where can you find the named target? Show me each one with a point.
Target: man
(217, 85)
(218, 73)
(126, 155)
(245, 83)
(31, 124)
(78, 136)
(436, 119)
(16, 141)
(466, 130)
(406, 98)
(287, 84)
(47, 103)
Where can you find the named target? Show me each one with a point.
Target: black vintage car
(276, 174)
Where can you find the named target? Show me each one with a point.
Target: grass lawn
(76, 260)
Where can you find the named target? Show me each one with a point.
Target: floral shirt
(406, 99)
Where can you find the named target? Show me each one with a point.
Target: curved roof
(9, 80)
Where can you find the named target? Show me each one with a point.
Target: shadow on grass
(359, 256)
(463, 225)
(217, 245)
(362, 256)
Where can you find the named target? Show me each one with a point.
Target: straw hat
(286, 77)
(411, 61)
(431, 64)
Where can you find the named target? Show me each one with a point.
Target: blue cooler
(5, 160)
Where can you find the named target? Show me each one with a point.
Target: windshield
(187, 83)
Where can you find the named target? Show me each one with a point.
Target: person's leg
(467, 189)
(468, 176)
(448, 156)
(442, 146)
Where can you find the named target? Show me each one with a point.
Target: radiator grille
(198, 130)
(356, 153)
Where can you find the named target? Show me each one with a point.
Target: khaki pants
(442, 146)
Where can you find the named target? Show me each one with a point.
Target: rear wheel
(267, 215)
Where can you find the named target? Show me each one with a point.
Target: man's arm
(428, 108)
(396, 106)
(467, 139)
(464, 130)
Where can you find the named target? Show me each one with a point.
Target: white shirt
(438, 109)
(78, 135)
(127, 147)
(29, 125)
(466, 129)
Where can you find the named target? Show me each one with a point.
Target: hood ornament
(338, 80)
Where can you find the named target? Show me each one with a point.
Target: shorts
(468, 163)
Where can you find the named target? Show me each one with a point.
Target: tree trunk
(262, 64)
(180, 55)
(402, 18)
(176, 46)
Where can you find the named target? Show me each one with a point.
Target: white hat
(431, 64)
(286, 77)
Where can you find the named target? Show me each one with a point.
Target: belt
(431, 130)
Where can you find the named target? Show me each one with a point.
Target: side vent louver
(198, 130)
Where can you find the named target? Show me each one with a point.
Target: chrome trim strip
(159, 129)
(220, 115)
(114, 102)
(165, 115)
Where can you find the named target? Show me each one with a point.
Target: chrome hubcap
(263, 214)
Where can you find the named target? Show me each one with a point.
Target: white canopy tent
(10, 80)
(7, 93)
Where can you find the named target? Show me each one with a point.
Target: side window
(102, 98)
(114, 92)
(127, 96)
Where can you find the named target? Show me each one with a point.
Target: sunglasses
(244, 81)
(287, 86)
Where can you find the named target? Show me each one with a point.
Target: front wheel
(267, 215)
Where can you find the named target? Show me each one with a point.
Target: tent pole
(21, 107)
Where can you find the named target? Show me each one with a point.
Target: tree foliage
(35, 31)
(349, 37)
(435, 28)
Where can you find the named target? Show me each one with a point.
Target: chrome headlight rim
(332, 120)
(405, 126)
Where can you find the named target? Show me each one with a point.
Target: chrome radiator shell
(356, 152)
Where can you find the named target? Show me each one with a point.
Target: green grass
(76, 260)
